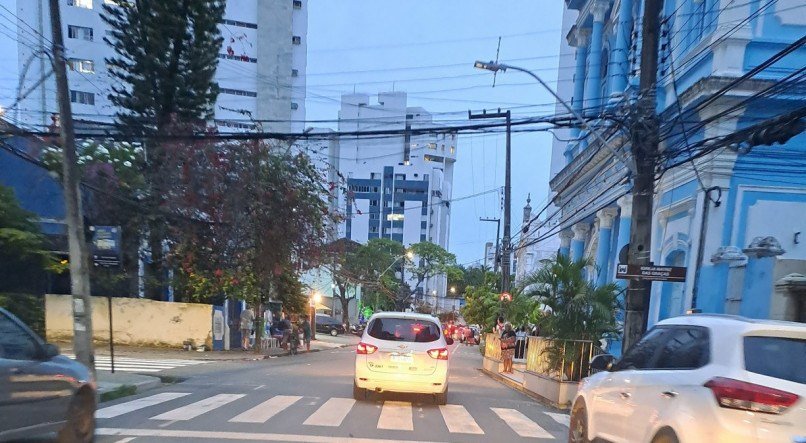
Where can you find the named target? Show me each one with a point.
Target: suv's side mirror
(602, 362)
(448, 341)
(50, 350)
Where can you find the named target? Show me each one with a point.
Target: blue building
(754, 201)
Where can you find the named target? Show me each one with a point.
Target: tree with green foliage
(572, 307)
(112, 175)
(576, 308)
(469, 276)
(24, 256)
(429, 261)
(25, 262)
(166, 55)
(482, 306)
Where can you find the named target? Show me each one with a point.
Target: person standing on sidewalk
(507, 347)
(247, 321)
(306, 332)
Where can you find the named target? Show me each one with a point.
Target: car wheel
(441, 398)
(334, 332)
(80, 426)
(665, 436)
(359, 393)
(578, 429)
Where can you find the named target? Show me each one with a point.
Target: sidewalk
(322, 342)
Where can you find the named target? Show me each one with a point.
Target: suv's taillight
(365, 348)
(737, 394)
(439, 354)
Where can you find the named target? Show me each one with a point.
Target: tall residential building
(261, 71)
(399, 182)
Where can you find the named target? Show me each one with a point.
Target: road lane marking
(563, 419)
(140, 403)
(266, 410)
(521, 424)
(331, 413)
(125, 440)
(247, 436)
(459, 420)
(194, 410)
(396, 415)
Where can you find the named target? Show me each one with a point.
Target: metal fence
(564, 360)
(492, 346)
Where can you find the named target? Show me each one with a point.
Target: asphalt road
(308, 397)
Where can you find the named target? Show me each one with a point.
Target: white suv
(402, 352)
(699, 378)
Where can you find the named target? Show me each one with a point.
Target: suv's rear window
(777, 357)
(404, 329)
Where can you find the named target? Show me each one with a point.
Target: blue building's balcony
(590, 157)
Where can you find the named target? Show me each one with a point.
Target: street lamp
(495, 67)
(453, 289)
(408, 255)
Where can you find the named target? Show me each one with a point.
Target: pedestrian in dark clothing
(306, 332)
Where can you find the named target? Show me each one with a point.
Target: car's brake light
(365, 348)
(736, 394)
(439, 354)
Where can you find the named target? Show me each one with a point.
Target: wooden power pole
(79, 257)
(644, 135)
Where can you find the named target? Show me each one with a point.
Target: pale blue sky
(436, 42)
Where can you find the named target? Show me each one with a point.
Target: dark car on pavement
(328, 325)
(42, 391)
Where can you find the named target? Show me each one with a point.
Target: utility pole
(497, 239)
(505, 249)
(644, 135)
(79, 257)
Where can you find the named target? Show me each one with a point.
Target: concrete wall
(135, 321)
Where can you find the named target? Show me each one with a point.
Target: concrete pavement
(308, 397)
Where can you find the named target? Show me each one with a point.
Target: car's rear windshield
(404, 329)
(778, 357)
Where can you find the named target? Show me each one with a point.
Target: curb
(505, 381)
(139, 387)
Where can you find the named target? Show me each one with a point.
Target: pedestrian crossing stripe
(140, 403)
(130, 364)
(198, 408)
(458, 420)
(266, 410)
(331, 413)
(395, 415)
(520, 423)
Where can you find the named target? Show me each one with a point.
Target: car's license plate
(402, 358)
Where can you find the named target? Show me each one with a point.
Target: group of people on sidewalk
(283, 329)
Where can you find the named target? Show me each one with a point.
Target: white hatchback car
(699, 378)
(402, 352)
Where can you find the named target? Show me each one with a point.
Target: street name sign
(651, 273)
